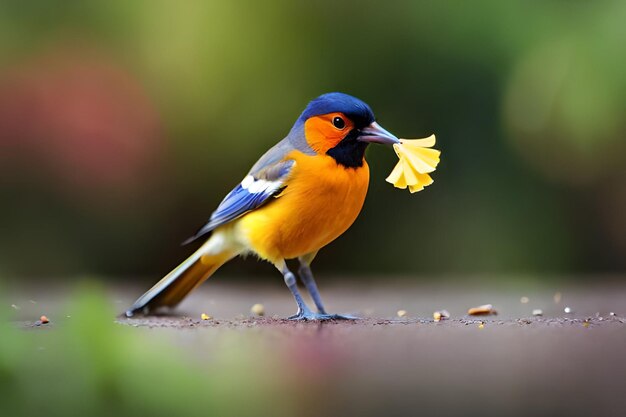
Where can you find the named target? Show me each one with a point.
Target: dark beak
(375, 133)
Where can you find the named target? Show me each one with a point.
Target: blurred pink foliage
(75, 119)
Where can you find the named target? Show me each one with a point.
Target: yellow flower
(417, 160)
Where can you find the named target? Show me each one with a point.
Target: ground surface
(510, 364)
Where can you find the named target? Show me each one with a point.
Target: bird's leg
(290, 281)
(304, 312)
(306, 276)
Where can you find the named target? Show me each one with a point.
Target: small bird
(301, 195)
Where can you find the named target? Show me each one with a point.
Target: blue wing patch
(254, 191)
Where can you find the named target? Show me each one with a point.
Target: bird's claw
(311, 316)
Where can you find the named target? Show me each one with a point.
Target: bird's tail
(171, 289)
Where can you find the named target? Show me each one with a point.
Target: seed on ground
(484, 310)
(258, 310)
(441, 315)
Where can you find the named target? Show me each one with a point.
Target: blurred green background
(123, 124)
(86, 365)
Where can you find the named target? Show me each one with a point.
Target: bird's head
(341, 126)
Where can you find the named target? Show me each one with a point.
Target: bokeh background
(123, 124)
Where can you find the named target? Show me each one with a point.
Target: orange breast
(321, 201)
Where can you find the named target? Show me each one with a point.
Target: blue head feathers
(358, 111)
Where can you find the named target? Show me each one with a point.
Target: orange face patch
(325, 131)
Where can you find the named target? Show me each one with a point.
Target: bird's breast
(321, 201)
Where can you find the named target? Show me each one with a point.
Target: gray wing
(266, 179)
(274, 155)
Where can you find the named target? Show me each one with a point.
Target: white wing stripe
(255, 186)
(247, 182)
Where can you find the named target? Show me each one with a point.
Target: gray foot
(310, 316)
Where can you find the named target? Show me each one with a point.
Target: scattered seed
(204, 316)
(258, 310)
(441, 315)
(524, 300)
(567, 310)
(401, 313)
(481, 325)
(537, 312)
(557, 297)
(484, 310)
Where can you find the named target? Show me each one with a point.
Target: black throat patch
(350, 151)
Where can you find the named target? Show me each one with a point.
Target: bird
(301, 195)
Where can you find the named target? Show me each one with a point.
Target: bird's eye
(339, 123)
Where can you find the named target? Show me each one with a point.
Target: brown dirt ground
(514, 364)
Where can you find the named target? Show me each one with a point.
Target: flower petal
(395, 174)
(416, 161)
(422, 143)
